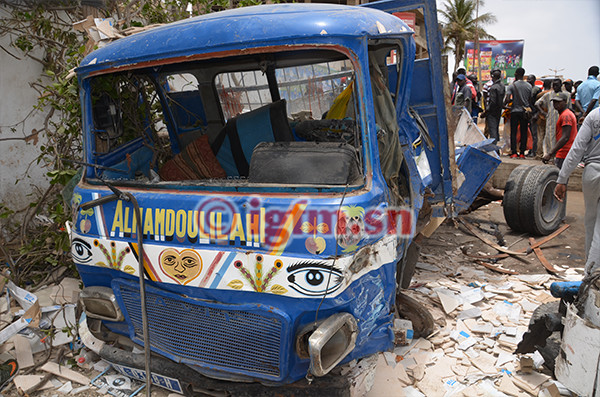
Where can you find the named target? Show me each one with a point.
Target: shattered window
(124, 108)
(241, 92)
(314, 88)
(226, 118)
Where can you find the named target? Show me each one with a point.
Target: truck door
(427, 89)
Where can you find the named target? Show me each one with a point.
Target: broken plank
(523, 251)
(495, 268)
(540, 255)
(23, 352)
(550, 236)
(487, 241)
(65, 372)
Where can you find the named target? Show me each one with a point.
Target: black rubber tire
(540, 212)
(551, 348)
(511, 202)
(413, 310)
(544, 309)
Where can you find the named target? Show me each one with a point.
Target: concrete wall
(17, 157)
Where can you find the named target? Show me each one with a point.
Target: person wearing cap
(463, 95)
(519, 93)
(456, 87)
(586, 145)
(566, 130)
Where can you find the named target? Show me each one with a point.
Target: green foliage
(43, 31)
(460, 23)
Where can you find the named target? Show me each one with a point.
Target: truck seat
(234, 144)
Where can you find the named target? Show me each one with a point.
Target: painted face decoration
(182, 266)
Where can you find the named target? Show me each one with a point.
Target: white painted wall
(17, 157)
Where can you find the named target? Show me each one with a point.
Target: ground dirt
(566, 250)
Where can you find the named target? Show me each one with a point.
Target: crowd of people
(563, 120)
(543, 121)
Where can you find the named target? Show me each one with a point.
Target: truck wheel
(543, 310)
(551, 347)
(541, 213)
(411, 309)
(511, 202)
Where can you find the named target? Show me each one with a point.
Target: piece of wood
(496, 268)
(526, 365)
(492, 244)
(550, 236)
(540, 255)
(523, 251)
(65, 373)
(27, 382)
(24, 353)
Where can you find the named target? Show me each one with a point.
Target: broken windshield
(263, 119)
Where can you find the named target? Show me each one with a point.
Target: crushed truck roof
(245, 27)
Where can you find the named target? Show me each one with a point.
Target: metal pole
(477, 47)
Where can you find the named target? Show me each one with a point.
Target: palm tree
(460, 24)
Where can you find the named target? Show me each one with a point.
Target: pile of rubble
(39, 330)
(480, 318)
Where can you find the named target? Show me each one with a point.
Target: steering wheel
(327, 130)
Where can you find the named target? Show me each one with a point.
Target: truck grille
(242, 339)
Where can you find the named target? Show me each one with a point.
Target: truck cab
(253, 181)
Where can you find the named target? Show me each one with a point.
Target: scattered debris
(540, 255)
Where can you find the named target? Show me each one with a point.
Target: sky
(558, 34)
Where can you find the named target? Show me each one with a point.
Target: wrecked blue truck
(254, 179)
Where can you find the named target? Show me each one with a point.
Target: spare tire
(511, 202)
(541, 211)
(531, 205)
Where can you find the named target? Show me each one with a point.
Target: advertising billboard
(506, 55)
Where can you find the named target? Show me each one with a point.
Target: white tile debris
(480, 318)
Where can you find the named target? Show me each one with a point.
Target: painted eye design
(189, 261)
(81, 251)
(169, 260)
(314, 278)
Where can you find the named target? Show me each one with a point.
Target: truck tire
(551, 348)
(511, 202)
(543, 310)
(541, 213)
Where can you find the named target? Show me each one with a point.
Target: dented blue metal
(238, 271)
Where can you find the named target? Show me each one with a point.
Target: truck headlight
(100, 303)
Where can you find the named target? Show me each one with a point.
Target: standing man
(586, 145)
(475, 108)
(566, 130)
(541, 119)
(456, 87)
(544, 105)
(535, 90)
(520, 92)
(494, 105)
(463, 95)
(588, 93)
